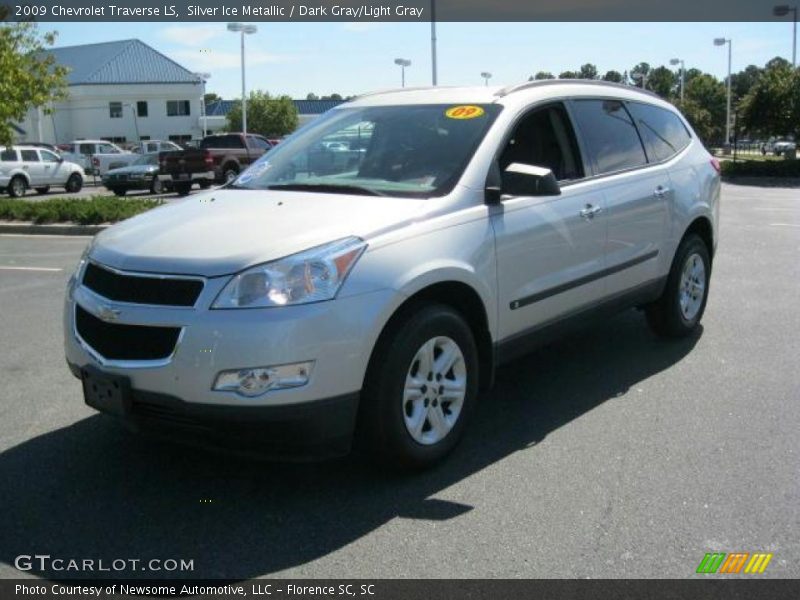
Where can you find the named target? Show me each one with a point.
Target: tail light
(716, 165)
(96, 161)
(207, 158)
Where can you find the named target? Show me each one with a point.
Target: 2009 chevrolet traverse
(363, 278)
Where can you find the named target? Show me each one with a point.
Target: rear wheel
(204, 184)
(119, 191)
(230, 173)
(17, 187)
(155, 185)
(681, 306)
(74, 183)
(420, 388)
(43, 190)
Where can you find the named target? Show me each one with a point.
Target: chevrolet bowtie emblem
(108, 314)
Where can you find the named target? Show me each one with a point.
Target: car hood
(133, 169)
(223, 231)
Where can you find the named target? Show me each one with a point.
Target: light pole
(203, 77)
(433, 43)
(679, 61)
(243, 29)
(781, 11)
(486, 76)
(402, 63)
(722, 42)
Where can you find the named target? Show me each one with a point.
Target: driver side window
(543, 138)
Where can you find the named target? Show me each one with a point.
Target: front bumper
(176, 393)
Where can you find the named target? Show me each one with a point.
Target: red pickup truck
(219, 159)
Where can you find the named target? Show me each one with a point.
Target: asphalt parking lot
(608, 454)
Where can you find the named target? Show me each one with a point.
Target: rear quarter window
(662, 131)
(8, 155)
(610, 135)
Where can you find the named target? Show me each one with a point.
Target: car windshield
(146, 159)
(416, 151)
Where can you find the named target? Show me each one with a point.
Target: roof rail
(404, 89)
(546, 82)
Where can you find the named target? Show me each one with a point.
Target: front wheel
(182, 189)
(74, 183)
(420, 388)
(119, 191)
(155, 186)
(679, 309)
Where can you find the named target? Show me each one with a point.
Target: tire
(204, 184)
(155, 186)
(404, 421)
(17, 187)
(679, 309)
(182, 189)
(43, 190)
(74, 184)
(119, 191)
(230, 173)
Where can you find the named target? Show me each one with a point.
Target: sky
(352, 58)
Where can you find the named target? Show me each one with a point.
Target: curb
(29, 228)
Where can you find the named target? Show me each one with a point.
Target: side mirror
(527, 180)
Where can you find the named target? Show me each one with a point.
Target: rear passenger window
(610, 136)
(662, 131)
(29, 156)
(8, 156)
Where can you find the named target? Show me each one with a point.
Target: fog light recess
(254, 381)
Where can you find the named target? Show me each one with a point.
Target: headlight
(310, 276)
(74, 280)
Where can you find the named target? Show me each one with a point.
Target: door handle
(589, 211)
(661, 191)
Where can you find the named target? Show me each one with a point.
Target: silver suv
(362, 280)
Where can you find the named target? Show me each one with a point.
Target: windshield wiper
(329, 188)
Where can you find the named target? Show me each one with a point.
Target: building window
(178, 108)
(115, 110)
(179, 139)
(115, 139)
(141, 108)
(144, 138)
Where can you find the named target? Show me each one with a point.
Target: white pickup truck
(99, 156)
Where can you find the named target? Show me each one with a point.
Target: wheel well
(701, 226)
(230, 165)
(465, 300)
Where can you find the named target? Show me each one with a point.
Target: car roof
(523, 93)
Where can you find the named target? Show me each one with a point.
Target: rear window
(222, 141)
(8, 155)
(611, 138)
(662, 131)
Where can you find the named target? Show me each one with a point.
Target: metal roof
(124, 61)
(220, 108)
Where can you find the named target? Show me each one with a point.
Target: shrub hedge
(761, 168)
(89, 211)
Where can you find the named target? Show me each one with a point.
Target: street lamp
(781, 11)
(722, 42)
(402, 63)
(486, 76)
(243, 29)
(434, 75)
(679, 61)
(203, 77)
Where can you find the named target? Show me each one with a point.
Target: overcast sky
(350, 58)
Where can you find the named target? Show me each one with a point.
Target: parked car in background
(778, 147)
(141, 174)
(103, 163)
(26, 167)
(302, 309)
(91, 151)
(219, 159)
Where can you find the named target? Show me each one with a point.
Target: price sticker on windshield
(464, 112)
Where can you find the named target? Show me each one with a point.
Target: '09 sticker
(464, 112)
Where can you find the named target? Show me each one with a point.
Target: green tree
(706, 93)
(613, 77)
(743, 81)
(311, 96)
(210, 97)
(588, 71)
(772, 106)
(265, 115)
(662, 81)
(569, 75)
(701, 120)
(542, 75)
(30, 78)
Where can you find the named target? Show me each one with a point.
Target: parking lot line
(44, 269)
(784, 224)
(45, 236)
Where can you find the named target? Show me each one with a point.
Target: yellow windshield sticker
(464, 112)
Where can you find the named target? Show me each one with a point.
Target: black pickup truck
(219, 159)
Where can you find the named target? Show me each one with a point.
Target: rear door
(33, 167)
(636, 193)
(549, 248)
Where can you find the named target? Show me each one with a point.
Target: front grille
(163, 291)
(114, 341)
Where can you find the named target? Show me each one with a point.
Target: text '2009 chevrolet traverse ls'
(362, 280)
